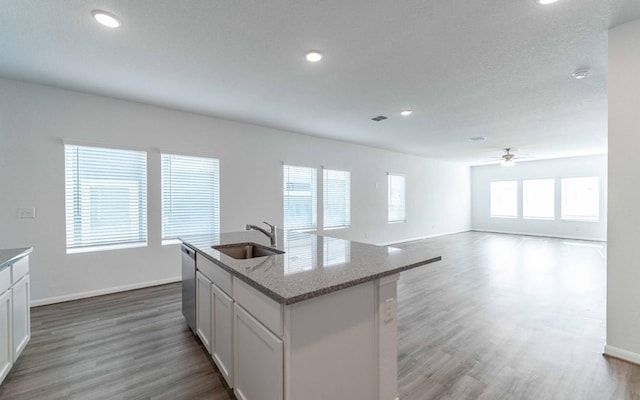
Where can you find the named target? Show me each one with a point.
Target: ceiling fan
(508, 159)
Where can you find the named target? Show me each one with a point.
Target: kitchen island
(315, 322)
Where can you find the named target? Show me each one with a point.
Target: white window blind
(105, 197)
(396, 197)
(190, 196)
(300, 200)
(538, 199)
(337, 198)
(581, 199)
(504, 199)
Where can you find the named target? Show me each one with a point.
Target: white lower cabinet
(203, 310)
(6, 346)
(222, 337)
(21, 315)
(258, 359)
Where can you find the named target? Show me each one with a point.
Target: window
(105, 197)
(504, 199)
(190, 196)
(300, 190)
(538, 199)
(337, 199)
(396, 198)
(581, 199)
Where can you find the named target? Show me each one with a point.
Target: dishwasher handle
(188, 252)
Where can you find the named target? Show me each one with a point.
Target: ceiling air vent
(379, 118)
(478, 138)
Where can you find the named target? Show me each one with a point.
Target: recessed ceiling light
(546, 2)
(313, 55)
(581, 73)
(105, 18)
(406, 113)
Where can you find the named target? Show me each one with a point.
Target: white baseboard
(541, 235)
(624, 355)
(100, 292)
(420, 238)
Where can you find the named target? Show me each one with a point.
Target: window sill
(396, 222)
(89, 249)
(503, 216)
(335, 228)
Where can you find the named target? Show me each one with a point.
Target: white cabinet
(21, 315)
(222, 338)
(258, 359)
(203, 310)
(6, 346)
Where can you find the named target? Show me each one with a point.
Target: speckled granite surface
(8, 256)
(311, 265)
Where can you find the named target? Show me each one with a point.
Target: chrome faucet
(271, 235)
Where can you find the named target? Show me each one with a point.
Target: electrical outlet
(389, 309)
(26, 212)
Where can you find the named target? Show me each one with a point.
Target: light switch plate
(26, 212)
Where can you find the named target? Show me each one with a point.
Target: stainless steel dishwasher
(189, 286)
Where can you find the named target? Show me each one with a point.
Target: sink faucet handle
(273, 227)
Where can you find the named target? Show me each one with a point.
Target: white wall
(623, 269)
(481, 177)
(34, 120)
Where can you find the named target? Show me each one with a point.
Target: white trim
(100, 292)
(106, 247)
(624, 355)
(420, 238)
(542, 235)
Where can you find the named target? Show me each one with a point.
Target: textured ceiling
(495, 68)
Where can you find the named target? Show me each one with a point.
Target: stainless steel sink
(243, 251)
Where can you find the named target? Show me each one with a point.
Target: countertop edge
(316, 293)
(25, 252)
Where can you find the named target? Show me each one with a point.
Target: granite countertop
(311, 266)
(9, 256)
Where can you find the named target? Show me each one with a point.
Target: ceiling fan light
(508, 163)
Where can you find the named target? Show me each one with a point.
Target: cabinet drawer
(215, 274)
(5, 279)
(266, 310)
(20, 268)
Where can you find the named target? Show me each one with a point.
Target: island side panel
(388, 337)
(331, 349)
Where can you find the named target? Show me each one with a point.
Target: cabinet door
(222, 338)
(21, 316)
(6, 347)
(203, 310)
(258, 359)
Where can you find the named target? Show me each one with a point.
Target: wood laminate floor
(500, 317)
(508, 317)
